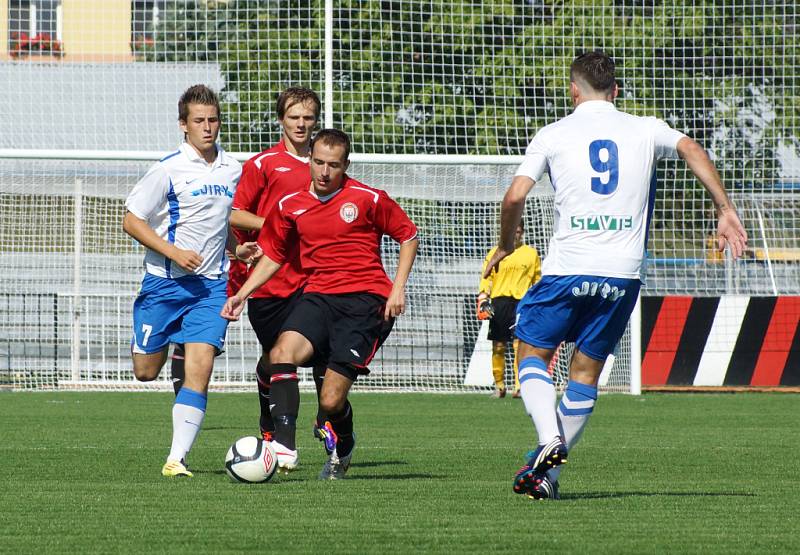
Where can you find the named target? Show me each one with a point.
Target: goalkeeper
(497, 302)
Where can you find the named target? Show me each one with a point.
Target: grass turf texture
(432, 473)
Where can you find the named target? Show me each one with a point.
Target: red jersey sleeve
(392, 220)
(250, 187)
(273, 236)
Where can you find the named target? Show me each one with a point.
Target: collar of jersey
(303, 159)
(280, 146)
(595, 106)
(326, 198)
(189, 151)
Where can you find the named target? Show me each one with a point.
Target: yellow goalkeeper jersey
(517, 272)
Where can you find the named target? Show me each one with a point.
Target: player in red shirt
(349, 304)
(266, 178)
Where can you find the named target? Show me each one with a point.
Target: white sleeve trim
(136, 213)
(287, 197)
(144, 199)
(257, 161)
(375, 195)
(533, 166)
(666, 140)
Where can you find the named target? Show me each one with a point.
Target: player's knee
(281, 354)
(145, 372)
(331, 402)
(498, 347)
(146, 367)
(585, 369)
(585, 375)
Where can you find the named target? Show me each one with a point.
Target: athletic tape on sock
(191, 398)
(578, 399)
(533, 368)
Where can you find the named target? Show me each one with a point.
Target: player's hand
(730, 231)
(395, 304)
(233, 308)
(494, 261)
(187, 259)
(249, 252)
(485, 308)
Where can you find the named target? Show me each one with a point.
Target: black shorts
(345, 330)
(501, 326)
(267, 315)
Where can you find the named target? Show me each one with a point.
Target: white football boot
(287, 458)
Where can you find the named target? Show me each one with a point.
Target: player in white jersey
(601, 164)
(179, 211)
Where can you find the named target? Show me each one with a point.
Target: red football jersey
(340, 239)
(266, 178)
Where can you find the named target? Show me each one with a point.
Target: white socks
(539, 396)
(187, 418)
(574, 410)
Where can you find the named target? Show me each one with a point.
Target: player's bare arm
(729, 229)
(262, 272)
(245, 220)
(396, 303)
(144, 234)
(510, 216)
(248, 252)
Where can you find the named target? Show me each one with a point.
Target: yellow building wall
(96, 30)
(3, 29)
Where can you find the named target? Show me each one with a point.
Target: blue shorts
(592, 311)
(182, 310)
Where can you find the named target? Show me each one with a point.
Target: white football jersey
(188, 203)
(602, 166)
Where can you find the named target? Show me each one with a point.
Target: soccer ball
(251, 460)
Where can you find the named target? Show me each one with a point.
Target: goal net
(90, 92)
(70, 274)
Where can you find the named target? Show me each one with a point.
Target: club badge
(348, 212)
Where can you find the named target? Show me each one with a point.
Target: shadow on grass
(410, 476)
(625, 494)
(406, 476)
(202, 471)
(377, 463)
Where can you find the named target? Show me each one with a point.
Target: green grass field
(432, 473)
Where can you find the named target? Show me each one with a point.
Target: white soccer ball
(251, 460)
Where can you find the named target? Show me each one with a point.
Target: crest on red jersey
(348, 212)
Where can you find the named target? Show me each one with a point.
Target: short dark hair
(332, 137)
(297, 95)
(196, 94)
(596, 69)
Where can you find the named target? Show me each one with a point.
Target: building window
(34, 27)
